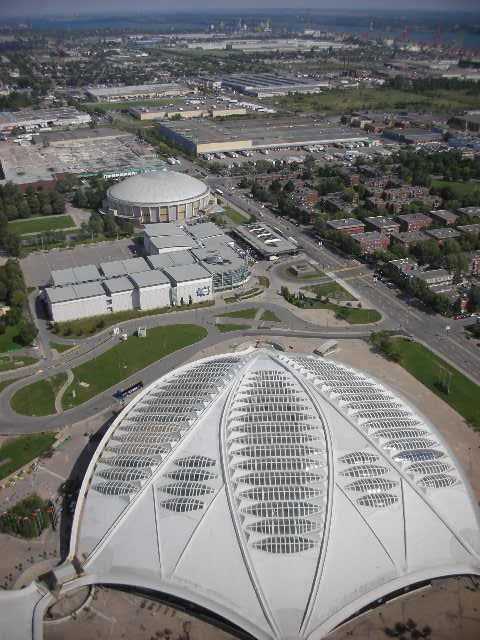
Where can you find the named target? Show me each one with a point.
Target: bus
(219, 191)
(121, 394)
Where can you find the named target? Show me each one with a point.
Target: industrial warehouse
(237, 134)
(264, 85)
(138, 92)
(159, 196)
(187, 265)
(314, 491)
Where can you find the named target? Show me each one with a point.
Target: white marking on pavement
(52, 473)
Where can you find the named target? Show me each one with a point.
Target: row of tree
(13, 292)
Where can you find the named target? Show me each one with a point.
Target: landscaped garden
(17, 452)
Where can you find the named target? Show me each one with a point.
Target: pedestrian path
(58, 399)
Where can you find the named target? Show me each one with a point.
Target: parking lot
(37, 266)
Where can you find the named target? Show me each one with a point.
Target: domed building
(279, 493)
(158, 196)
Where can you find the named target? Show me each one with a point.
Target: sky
(9, 8)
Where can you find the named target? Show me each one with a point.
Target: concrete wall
(122, 301)
(74, 309)
(193, 289)
(153, 297)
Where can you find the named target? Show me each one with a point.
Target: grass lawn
(38, 398)
(235, 216)
(246, 314)
(7, 363)
(331, 290)
(17, 452)
(37, 225)
(126, 358)
(225, 328)
(90, 326)
(58, 346)
(290, 273)
(459, 188)
(424, 365)
(269, 316)
(349, 314)
(8, 339)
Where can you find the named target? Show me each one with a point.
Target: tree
(95, 223)
(109, 225)
(27, 332)
(474, 299)
(80, 199)
(18, 299)
(13, 245)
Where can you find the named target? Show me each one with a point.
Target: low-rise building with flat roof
(265, 240)
(120, 294)
(172, 259)
(473, 229)
(76, 301)
(167, 244)
(403, 265)
(472, 212)
(371, 241)
(443, 216)
(382, 224)
(152, 290)
(138, 92)
(347, 226)
(442, 234)
(406, 238)
(439, 279)
(414, 221)
(116, 268)
(190, 284)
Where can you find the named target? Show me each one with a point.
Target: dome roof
(158, 187)
(283, 492)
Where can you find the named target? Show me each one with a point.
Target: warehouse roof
(205, 230)
(171, 242)
(124, 267)
(313, 489)
(149, 279)
(187, 273)
(172, 259)
(163, 229)
(117, 285)
(74, 292)
(74, 275)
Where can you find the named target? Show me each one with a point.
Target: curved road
(290, 325)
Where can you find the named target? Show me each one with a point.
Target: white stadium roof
(158, 186)
(281, 492)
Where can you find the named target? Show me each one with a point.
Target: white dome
(283, 492)
(158, 187)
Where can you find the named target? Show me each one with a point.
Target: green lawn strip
(310, 276)
(8, 339)
(425, 366)
(349, 314)
(9, 363)
(235, 216)
(330, 290)
(17, 452)
(58, 346)
(126, 358)
(269, 316)
(225, 327)
(90, 326)
(246, 314)
(458, 188)
(38, 398)
(38, 225)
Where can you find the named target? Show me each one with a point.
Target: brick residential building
(406, 238)
(414, 221)
(442, 234)
(443, 216)
(347, 226)
(382, 224)
(371, 241)
(471, 212)
(469, 228)
(404, 265)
